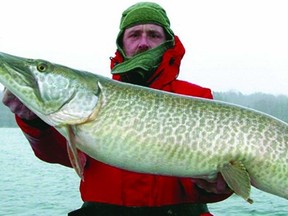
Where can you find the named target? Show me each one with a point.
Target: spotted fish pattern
(151, 131)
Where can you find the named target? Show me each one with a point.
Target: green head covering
(146, 62)
(143, 13)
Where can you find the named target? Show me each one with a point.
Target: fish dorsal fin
(238, 179)
(77, 158)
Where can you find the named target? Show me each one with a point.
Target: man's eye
(154, 35)
(134, 35)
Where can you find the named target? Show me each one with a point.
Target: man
(148, 54)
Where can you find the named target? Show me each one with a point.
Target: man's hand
(16, 106)
(217, 186)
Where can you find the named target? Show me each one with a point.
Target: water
(31, 187)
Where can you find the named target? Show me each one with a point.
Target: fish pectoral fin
(238, 179)
(77, 158)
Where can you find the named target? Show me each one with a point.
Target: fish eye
(42, 67)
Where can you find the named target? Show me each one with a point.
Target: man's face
(142, 37)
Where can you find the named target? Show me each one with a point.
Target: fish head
(57, 94)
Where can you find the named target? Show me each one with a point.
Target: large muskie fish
(151, 131)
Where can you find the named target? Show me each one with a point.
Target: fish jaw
(51, 91)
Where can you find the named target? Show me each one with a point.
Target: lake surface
(31, 187)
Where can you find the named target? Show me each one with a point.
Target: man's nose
(143, 44)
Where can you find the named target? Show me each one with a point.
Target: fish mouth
(17, 73)
(14, 67)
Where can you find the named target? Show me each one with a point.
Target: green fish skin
(151, 131)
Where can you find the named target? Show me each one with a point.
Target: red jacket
(107, 184)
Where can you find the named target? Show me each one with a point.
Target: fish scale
(151, 131)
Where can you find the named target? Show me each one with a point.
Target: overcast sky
(239, 45)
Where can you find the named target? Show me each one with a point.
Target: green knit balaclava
(145, 63)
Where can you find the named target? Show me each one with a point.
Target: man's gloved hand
(17, 107)
(217, 186)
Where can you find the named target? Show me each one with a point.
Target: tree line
(275, 105)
